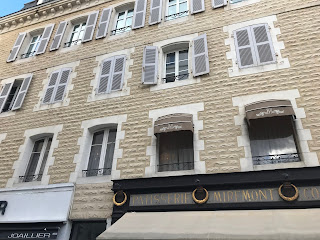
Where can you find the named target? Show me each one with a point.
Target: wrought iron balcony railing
(28, 54)
(175, 166)
(69, 44)
(120, 30)
(30, 178)
(176, 15)
(175, 78)
(96, 172)
(274, 159)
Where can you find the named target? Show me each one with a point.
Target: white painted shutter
(62, 85)
(4, 94)
(22, 92)
(263, 44)
(16, 47)
(104, 23)
(118, 72)
(91, 23)
(219, 3)
(244, 48)
(150, 65)
(59, 35)
(51, 86)
(155, 12)
(200, 58)
(105, 75)
(45, 39)
(139, 14)
(197, 6)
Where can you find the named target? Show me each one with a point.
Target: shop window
(176, 9)
(87, 230)
(123, 20)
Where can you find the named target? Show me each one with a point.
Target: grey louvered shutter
(59, 35)
(200, 58)
(62, 84)
(150, 65)
(219, 3)
(51, 86)
(118, 72)
(139, 14)
(263, 44)
(155, 12)
(4, 94)
(22, 92)
(45, 39)
(104, 23)
(244, 48)
(91, 23)
(16, 47)
(197, 6)
(105, 75)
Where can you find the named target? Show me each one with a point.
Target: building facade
(172, 109)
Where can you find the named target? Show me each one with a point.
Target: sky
(11, 6)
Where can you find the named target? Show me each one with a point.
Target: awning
(293, 224)
(271, 108)
(173, 122)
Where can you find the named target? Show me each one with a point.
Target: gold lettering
(156, 198)
(224, 196)
(169, 198)
(185, 197)
(312, 192)
(146, 199)
(230, 195)
(163, 198)
(141, 199)
(216, 195)
(270, 191)
(235, 195)
(176, 198)
(245, 195)
(256, 194)
(263, 194)
(151, 196)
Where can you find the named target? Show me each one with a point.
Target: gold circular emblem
(289, 199)
(121, 203)
(202, 200)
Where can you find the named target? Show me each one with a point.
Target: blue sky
(10, 6)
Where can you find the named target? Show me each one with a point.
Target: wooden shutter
(244, 48)
(51, 86)
(105, 75)
(22, 92)
(263, 44)
(91, 23)
(200, 58)
(59, 35)
(62, 84)
(4, 94)
(45, 39)
(104, 23)
(139, 14)
(150, 65)
(197, 6)
(16, 47)
(219, 3)
(155, 12)
(118, 72)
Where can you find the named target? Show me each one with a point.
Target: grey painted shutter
(16, 47)
(197, 6)
(200, 58)
(62, 85)
(139, 14)
(59, 35)
(22, 92)
(104, 23)
(219, 3)
(244, 48)
(45, 39)
(150, 65)
(105, 75)
(4, 94)
(118, 73)
(51, 86)
(263, 44)
(91, 23)
(155, 12)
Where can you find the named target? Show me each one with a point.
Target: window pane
(121, 15)
(87, 230)
(171, 2)
(76, 28)
(31, 169)
(130, 13)
(108, 159)
(183, 55)
(97, 138)
(170, 58)
(112, 135)
(94, 160)
(120, 24)
(172, 10)
(183, 7)
(45, 157)
(38, 145)
(83, 26)
(170, 68)
(129, 22)
(183, 65)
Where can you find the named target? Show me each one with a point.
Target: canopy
(173, 122)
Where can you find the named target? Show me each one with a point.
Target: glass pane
(170, 68)
(34, 39)
(170, 77)
(76, 28)
(109, 159)
(171, 2)
(120, 24)
(97, 138)
(38, 145)
(183, 75)
(112, 135)
(172, 10)
(94, 160)
(83, 26)
(183, 7)
(31, 169)
(44, 160)
(183, 55)
(121, 15)
(80, 36)
(170, 58)
(30, 49)
(130, 13)
(183, 65)
(74, 36)
(129, 22)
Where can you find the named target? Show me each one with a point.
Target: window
(87, 230)
(101, 153)
(123, 21)
(76, 34)
(33, 47)
(176, 9)
(176, 66)
(236, 1)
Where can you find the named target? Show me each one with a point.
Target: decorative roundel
(119, 203)
(200, 201)
(283, 194)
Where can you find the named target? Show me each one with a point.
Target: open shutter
(4, 94)
(91, 23)
(59, 35)
(150, 65)
(244, 48)
(118, 73)
(155, 12)
(45, 39)
(139, 14)
(105, 75)
(62, 85)
(197, 6)
(263, 44)
(51, 86)
(104, 23)
(200, 58)
(219, 3)
(16, 47)
(22, 92)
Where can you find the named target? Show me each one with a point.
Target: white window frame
(79, 41)
(177, 8)
(177, 61)
(35, 46)
(113, 31)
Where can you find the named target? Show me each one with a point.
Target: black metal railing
(277, 158)
(176, 15)
(120, 30)
(30, 178)
(96, 172)
(175, 166)
(28, 54)
(175, 78)
(69, 44)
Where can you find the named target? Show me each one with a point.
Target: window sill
(279, 166)
(42, 106)
(68, 49)
(7, 114)
(93, 179)
(175, 21)
(24, 60)
(173, 173)
(96, 97)
(27, 184)
(120, 35)
(241, 4)
(162, 86)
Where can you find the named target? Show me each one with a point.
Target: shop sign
(3, 206)
(29, 234)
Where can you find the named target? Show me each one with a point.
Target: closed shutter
(139, 14)
(105, 75)
(244, 48)
(155, 12)
(263, 44)
(62, 85)
(200, 58)
(22, 92)
(104, 23)
(59, 35)
(16, 47)
(150, 65)
(45, 39)
(219, 3)
(51, 86)
(118, 73)
(4, 94)
(197, 6)
(91, 23)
